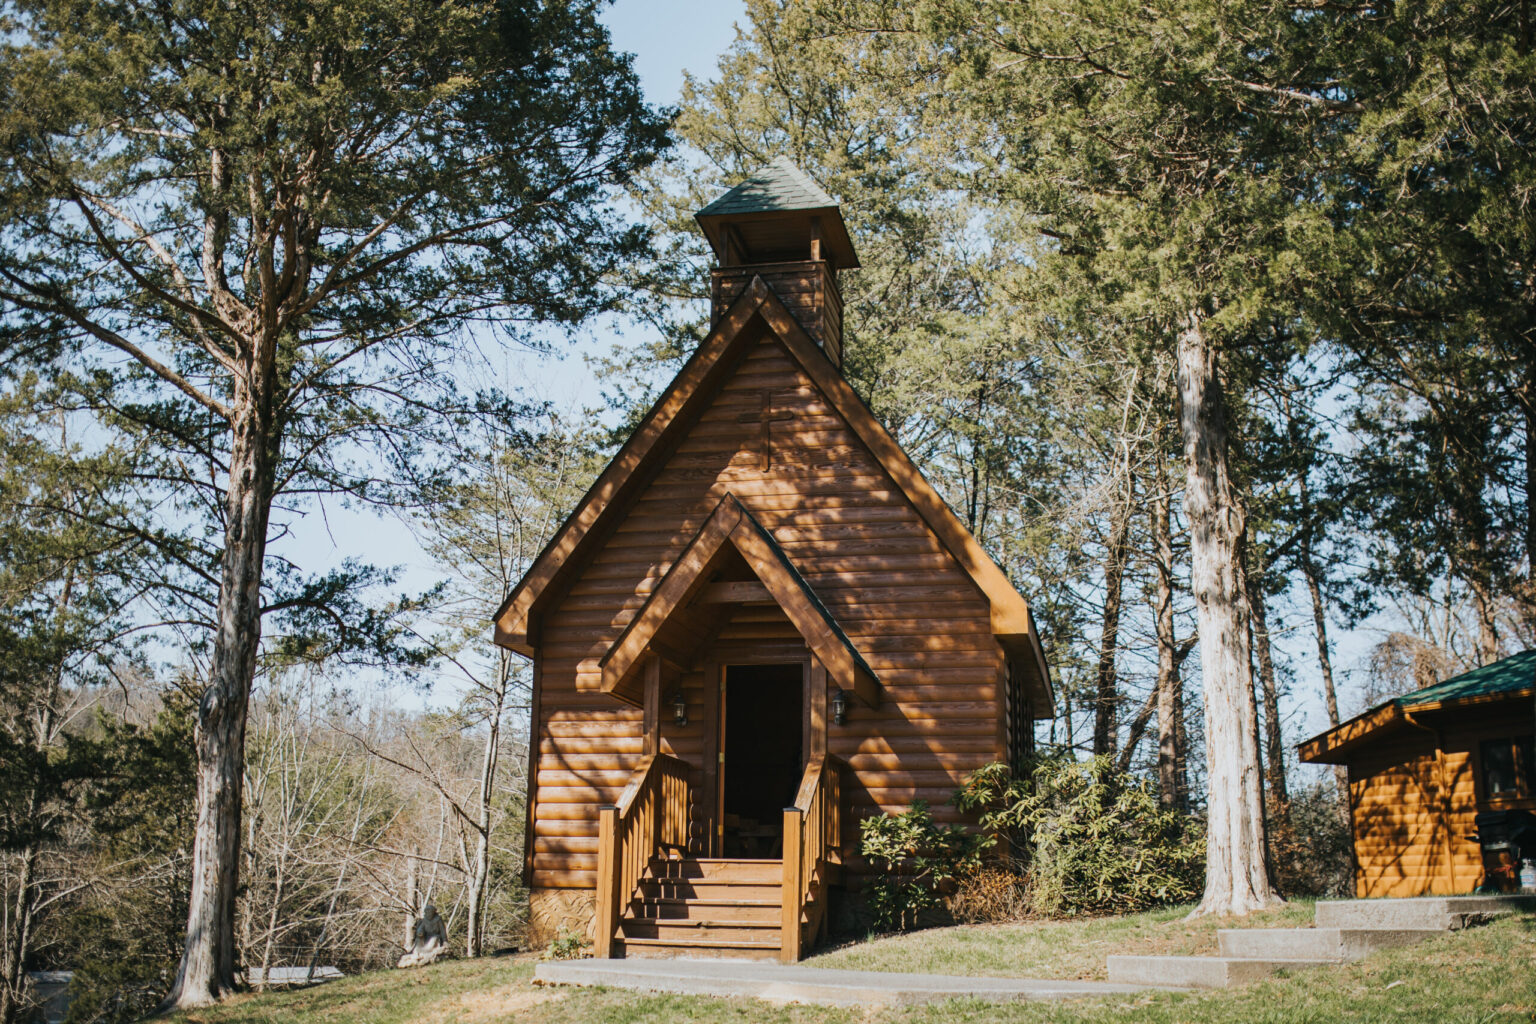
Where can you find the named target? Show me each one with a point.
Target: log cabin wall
(1402, 845)
(1415, 795)
(808, 288)
(907, 605)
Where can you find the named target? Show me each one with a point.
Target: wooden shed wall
(907, 605)
(1401, 846)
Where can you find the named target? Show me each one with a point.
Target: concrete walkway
(785, 983)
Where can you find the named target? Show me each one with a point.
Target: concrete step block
(1443, 913)
(795, 983)
(1200, 971)
(1316, 943)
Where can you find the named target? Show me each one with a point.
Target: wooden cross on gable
(764, 417)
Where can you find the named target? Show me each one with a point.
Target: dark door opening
(764, 720)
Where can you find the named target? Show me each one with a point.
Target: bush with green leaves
(914, 858)
(1091, 839)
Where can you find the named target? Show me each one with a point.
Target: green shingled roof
(779, 186)
(1512, 674)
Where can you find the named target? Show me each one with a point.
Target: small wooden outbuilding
(1423, 766)
(759, 625)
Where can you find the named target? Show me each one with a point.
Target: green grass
(1051, 949)
(1482, 976)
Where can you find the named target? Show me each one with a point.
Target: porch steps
(705, 907)
(1345, 930)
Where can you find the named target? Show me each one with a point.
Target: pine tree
(253, 236)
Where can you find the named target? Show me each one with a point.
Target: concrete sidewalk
(785, 983)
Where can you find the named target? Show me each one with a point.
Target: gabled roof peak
(778, 214)
(777, 187)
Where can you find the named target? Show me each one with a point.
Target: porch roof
(730, 528)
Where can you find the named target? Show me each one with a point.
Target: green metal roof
(1510, 675)
(779, 186)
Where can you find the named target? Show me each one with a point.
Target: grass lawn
(1051, 949)
(1482, 976)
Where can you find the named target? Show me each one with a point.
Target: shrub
(1092, 839)
(989, 895)
(569, 946)
(1311, 849)
(913, 857)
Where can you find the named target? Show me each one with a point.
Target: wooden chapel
(758, 626)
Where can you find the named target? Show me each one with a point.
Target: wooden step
(713, 890)
(719, 869)
(673, 930)
(765, 911)
(721, 949)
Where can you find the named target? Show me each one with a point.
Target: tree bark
(1237, 878)
(1106, 696)
(1485, 605)
(1274, 740)
(1529, 403)
(1310, 573)
(1170, 735)
(208, 968)
(474, 939)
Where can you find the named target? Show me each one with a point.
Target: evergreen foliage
(915, 859)
(1090, 839)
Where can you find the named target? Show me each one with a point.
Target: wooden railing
(652, 813)
(813, 836)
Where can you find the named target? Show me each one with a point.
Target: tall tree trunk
(1170, 752)
(1137, 730)
(1529, 403)
(475, 937)
(274, 921)
(1485, 605)
(1311, 574)
(1106, 695)
(207, 970)
(1274, 740)
(1236, 875)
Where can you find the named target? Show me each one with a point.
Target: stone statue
(429, 939)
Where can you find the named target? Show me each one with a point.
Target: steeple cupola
(783, 227)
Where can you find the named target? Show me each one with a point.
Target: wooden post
(817, 699)
(606, 910)
(651, 744)
(789, 932)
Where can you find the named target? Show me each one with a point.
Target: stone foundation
(556, 913)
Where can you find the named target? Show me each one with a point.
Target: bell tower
(783, 227)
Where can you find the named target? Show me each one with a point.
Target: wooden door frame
(813, 696)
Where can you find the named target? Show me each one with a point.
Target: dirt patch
(484, 1006)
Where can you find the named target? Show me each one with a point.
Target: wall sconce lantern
(840, 707)
(679, 707)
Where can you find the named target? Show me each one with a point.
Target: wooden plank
(735, 592)
(608, 896)
(794, 877)
(652, 719)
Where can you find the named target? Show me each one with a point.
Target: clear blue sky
(668, 37)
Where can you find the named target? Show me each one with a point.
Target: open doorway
(763, 756)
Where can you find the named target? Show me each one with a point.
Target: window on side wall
(1508, 768)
